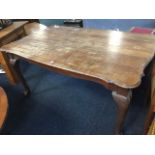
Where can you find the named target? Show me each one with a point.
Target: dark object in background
(4, 23)
(73, 22)
(29, 20)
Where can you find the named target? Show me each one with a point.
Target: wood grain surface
(11, 29)
(34, 27)
(113, 57)
(3, 106)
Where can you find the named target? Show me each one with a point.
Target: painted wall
(114, 24)
(121, 24)
(49, 22)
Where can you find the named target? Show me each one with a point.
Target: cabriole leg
(122, 102)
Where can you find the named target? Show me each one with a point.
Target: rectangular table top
(109, 56)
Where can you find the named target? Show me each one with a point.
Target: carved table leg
(122, 102)
(16, 66)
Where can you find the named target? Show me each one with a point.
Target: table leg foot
(122, 102)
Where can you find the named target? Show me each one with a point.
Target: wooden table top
(6, 31)
(33, 27)
(113, 57)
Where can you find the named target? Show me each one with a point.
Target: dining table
(116, 60)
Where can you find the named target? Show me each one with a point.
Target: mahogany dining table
(116, 60)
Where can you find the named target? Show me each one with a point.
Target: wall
(121, 24)
(49, 22)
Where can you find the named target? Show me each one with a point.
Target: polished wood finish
(114, 59)
(7, 35)
(12, 32)
(34, 27)
(3, 106)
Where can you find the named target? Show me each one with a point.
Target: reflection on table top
(110, 56)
